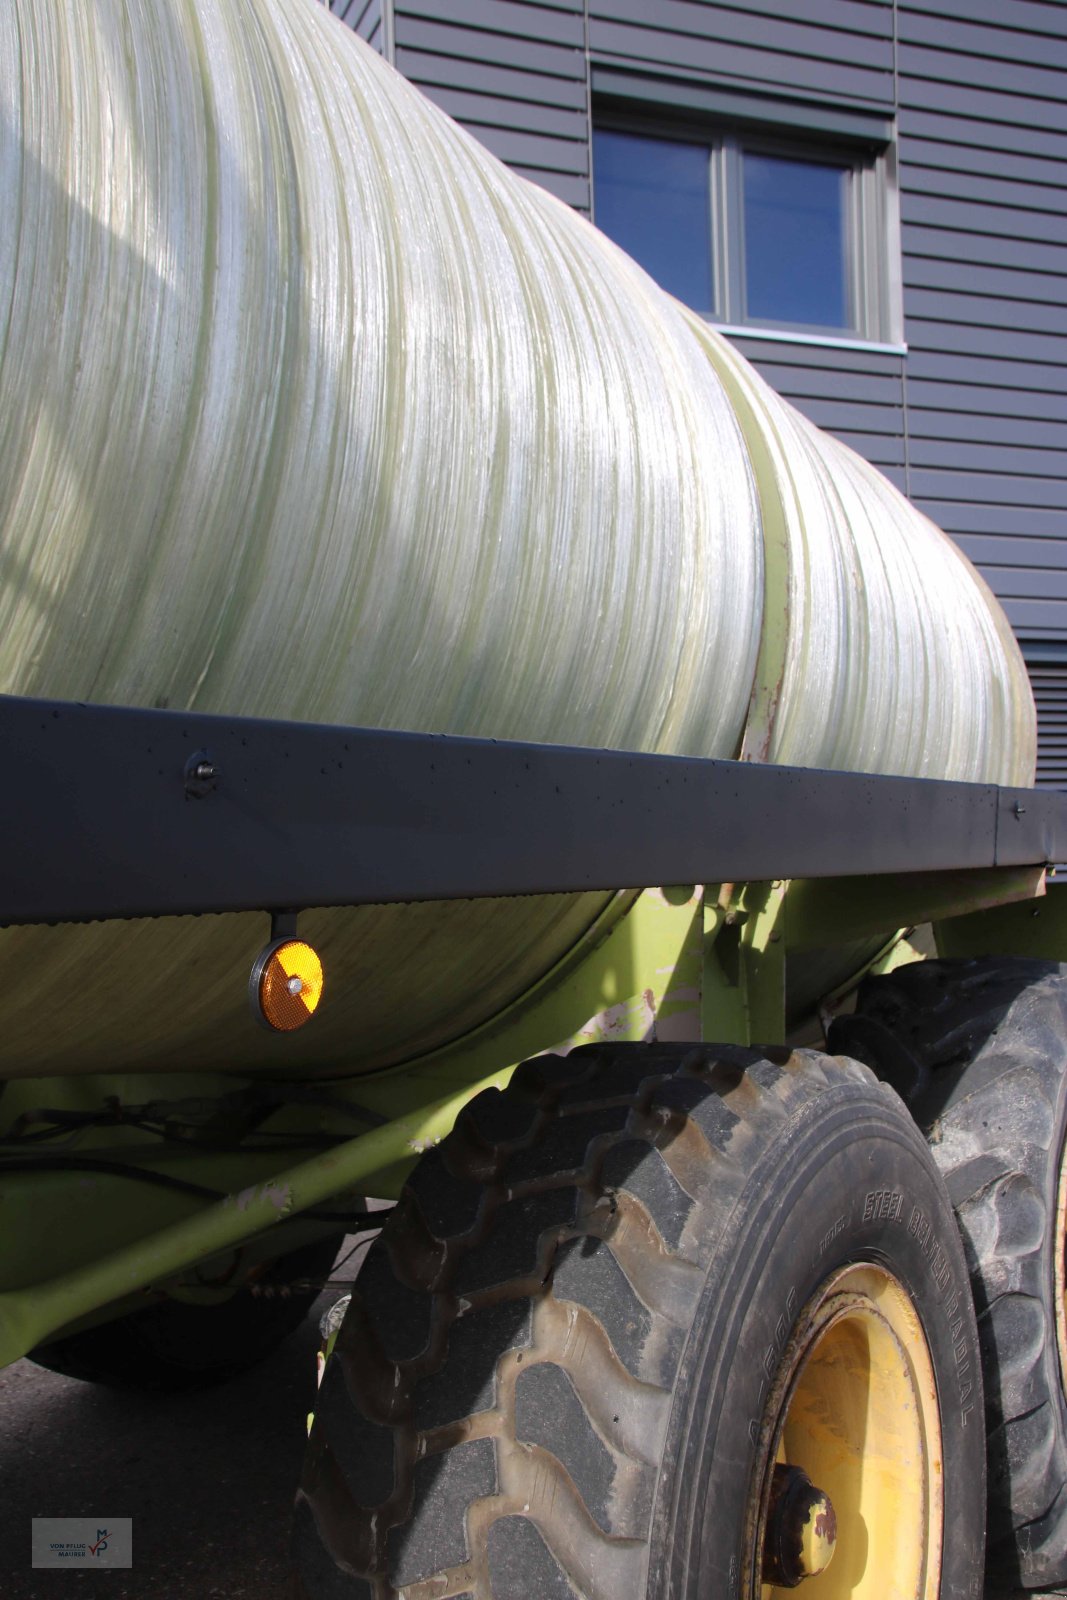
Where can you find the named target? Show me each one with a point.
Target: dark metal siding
(363, 17)
(983, 152)
(514, 73)
(837, 48)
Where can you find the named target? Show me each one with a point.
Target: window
(795, 234)
(754, 230)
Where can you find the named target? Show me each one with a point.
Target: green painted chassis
(82, 1246)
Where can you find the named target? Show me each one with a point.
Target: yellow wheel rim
(854, 1406)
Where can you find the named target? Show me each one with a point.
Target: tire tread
(993, 1033)
(585, 1354)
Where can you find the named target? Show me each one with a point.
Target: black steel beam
(110, 812)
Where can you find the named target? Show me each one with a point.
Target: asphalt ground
(208, 1479)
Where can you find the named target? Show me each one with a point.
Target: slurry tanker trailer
(467, 742)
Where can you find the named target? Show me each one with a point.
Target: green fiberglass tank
(311, 409)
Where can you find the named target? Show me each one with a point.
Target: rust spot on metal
(826, 1523)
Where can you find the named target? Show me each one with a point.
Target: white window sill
(830, 340)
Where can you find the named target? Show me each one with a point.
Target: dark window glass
(653, 197)
(795, 240)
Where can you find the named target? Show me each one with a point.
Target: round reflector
(286, 985)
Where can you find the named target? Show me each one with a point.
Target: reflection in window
(653, 198)
(796, 244)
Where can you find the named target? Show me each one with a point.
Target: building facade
(904, 159)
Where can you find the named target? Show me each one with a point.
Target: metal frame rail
(112, 812)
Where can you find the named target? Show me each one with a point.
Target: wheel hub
(848, 1489)
(801, 1530)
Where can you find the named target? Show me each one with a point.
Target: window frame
(872, 220)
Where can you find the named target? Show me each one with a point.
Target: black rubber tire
(556, 1355)
(175, 1345)
(991, 1035)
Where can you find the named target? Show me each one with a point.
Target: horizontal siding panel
(1008, 344)
(985, 190)
(571, 190)
(916, 155)
(963, 517)
(837, 391)
(350, 12)
(549, 5)
(838, 415)
(936, 27)
(828, 358)
(989, 488)
(471, 44)
(1041, 318)
(996, 78)
(487, 110)
(488, 77)
(697, 53)
(1004, 460)
(964, 216)
(1021, 255)
(998, 550)
(984, 398)
(882, 444)
(1035, 617)
(934, 272)
(881, 450)
(1037, 434)
(1017, 110)
(562, 25)
(784, 33)
(1026, 583)
(1022, 16)
(815, 383)
(544, 5)
(742, 18)
(362, 16)
(1031, 376)
(535, 150)
(970, 127)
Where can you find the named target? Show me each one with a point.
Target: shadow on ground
(208, 1478)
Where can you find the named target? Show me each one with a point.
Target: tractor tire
(175, 1346)
(617, 1309)
(990, 1039)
